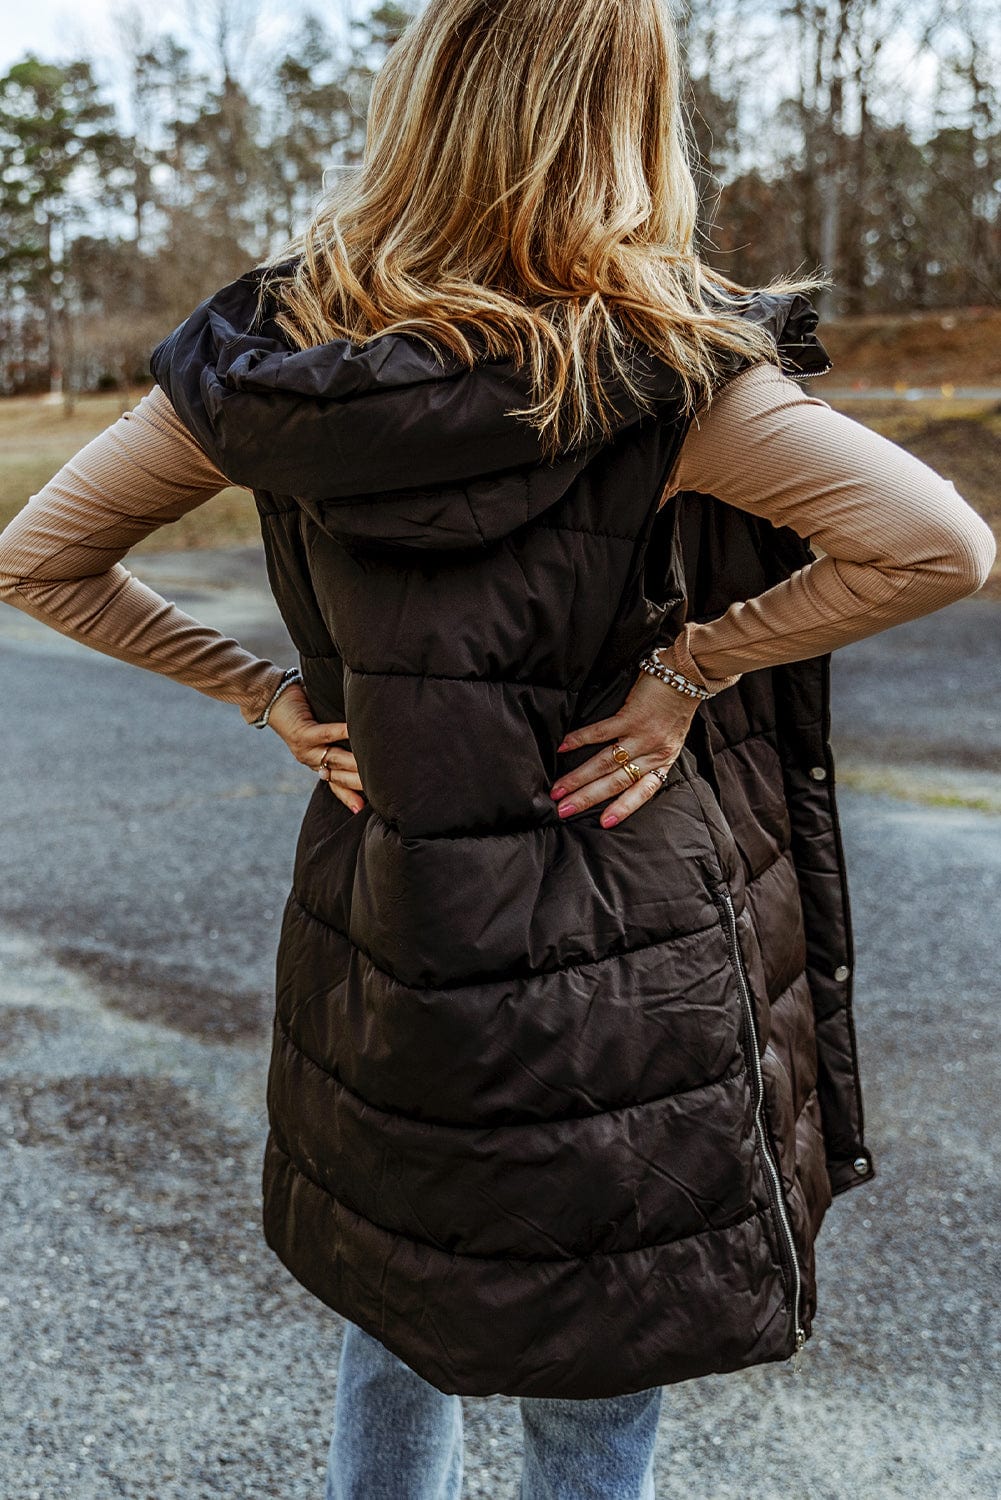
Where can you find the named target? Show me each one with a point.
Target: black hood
(428, 440)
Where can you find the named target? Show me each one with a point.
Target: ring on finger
(323, 761)
(632, 771)
(620, 754)
(662, 774)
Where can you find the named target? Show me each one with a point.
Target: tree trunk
(52, 350)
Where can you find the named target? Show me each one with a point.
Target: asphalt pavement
(153, 1348)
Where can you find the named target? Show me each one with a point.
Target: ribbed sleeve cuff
(679, 655)
(253, 708)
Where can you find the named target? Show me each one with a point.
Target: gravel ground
(151, 1343)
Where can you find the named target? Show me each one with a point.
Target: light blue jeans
(396, 1437)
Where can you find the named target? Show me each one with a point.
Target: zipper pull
(800, 1341)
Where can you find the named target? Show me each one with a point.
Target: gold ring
(323, 763)
(620, 755)
(633, 772)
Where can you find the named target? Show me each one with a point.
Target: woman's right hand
(651, 725)
(311, 742)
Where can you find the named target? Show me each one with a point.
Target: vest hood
(386, 441)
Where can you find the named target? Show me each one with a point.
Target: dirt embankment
(954, 346)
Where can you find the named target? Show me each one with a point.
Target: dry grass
(960, 439)
(932, 786)
(36, 439)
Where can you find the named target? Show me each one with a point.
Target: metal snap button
(842, 972)
(819, 773)
(861, 1165)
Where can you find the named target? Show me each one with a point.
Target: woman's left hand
(651, 725)
(311, 743)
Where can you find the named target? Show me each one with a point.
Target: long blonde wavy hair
(526, 177)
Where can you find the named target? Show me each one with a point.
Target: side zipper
(724, 901)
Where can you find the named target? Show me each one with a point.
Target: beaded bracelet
(290, 675)
(677, 680)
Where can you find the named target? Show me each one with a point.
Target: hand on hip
(640, 742)
(313, 744)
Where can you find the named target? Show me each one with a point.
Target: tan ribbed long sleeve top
(898, 539)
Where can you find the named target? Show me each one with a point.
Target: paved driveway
(153, 1348)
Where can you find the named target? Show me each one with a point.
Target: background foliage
(116, 218)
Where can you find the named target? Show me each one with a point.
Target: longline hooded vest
(554, 1110)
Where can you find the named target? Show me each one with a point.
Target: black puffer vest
(555, 1110)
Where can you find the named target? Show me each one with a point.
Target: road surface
(153, 1348)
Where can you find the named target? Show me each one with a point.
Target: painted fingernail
(566, 809)
(608, 820)
(558, 792)
(564, 746)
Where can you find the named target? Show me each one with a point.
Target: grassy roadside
(960, 439)
(36, 439)
(929, 786)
